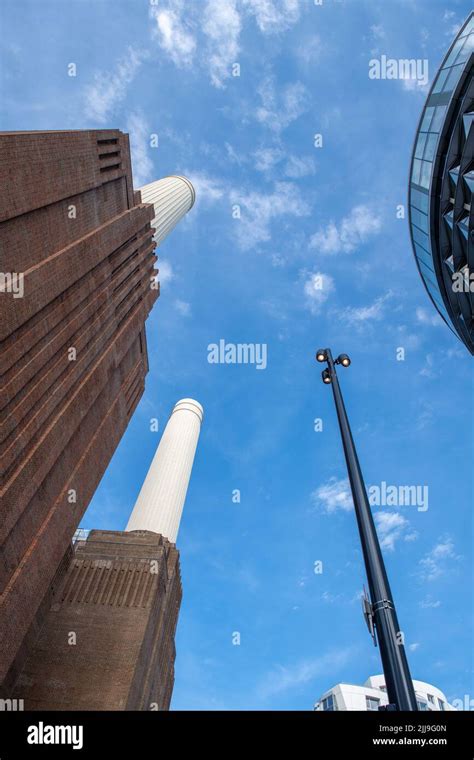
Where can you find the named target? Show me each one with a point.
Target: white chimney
(161, 500)
(172, 198)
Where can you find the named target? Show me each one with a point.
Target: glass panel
(372, 703)
(431, 144)
(469, 27)
(418, 218)
(442, 76)
(438, 117)
(466, 50)
(454, 53)
(425, 176)
(424, 257)
(463, 225)
(421, 238)
(430, 279)
(428, 115)
(419, 199)
(415, 174)
(420, 144)
(433, 289)
(452, 80)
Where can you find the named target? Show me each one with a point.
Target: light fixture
(326, 376)
(321, 355)
(343, 359)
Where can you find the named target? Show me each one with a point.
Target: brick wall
(86, 288)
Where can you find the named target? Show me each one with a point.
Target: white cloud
(267, 158)
(277, 112)
(333, 496)
(361, 314)
(378, 32)
(222, 27)
(282, 679)
(317, 289)
(233, 155)
(176, 26)
(208, 189)
(429, 603)
(439, 560)
(142, 165)
(329, 598)
(173, 34)
(183, 308)
(429, 370)
(392, 527)
(353, 230)
(273, 16)
(310, 49)
(297, 167)
(414, 85)
(431, 317)
(413, 647)
(109, 88)
(259, 210)
(166, 273)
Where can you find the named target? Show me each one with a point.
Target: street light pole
(380, 611)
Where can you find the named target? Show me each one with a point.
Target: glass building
(441, 186)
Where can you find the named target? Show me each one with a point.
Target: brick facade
(72, 350)
(107, 640)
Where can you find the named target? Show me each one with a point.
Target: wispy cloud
(393, 527)
(259, 210)
(183, 308)
(361, 314)
(280, 108)
(439, 561)
(282, 679)
(317, 289)
(273, 16)
(222, 25)
(267, 158)
(139, 131)
(333, 496)
(166, 273)
(430, 318)
(173, 33)
(208, 189)
(299, 166)
(109, 88)
(295, 167)
(350, 233)
(429, 603)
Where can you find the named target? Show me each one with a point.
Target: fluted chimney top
(172, 197)
(189, 184)
(191, 406)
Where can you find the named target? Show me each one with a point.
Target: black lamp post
(380, 610)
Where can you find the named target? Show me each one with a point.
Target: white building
(373, 694)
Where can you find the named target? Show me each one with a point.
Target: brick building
(77, 240)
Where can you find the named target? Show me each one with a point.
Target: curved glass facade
(441, 185)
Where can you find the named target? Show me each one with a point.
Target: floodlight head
(321, 355)
(344, 360)
(325, 374)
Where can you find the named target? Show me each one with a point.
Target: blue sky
(305, 212)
